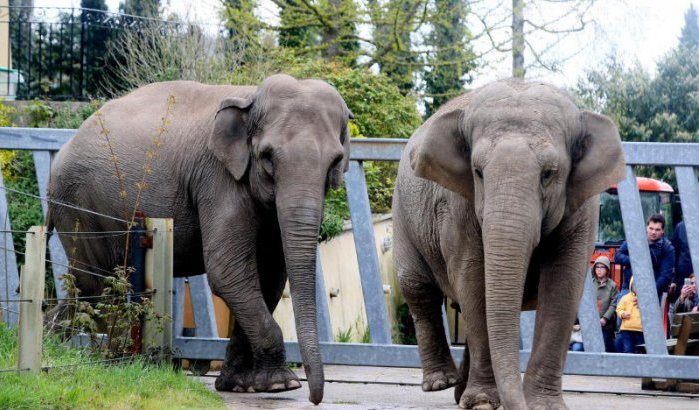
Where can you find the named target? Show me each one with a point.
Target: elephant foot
(276, 380)
(546, 403)
(439, 380)
(268, 381)
(480, 398)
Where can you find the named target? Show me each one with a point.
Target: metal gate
(381, 352)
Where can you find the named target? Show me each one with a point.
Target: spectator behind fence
(683, 262)
(688, 300)
(606, 300)
(662, 255)
(631, 329)
(576, 340)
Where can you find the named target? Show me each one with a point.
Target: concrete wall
(343, 287)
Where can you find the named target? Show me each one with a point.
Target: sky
(640, 31)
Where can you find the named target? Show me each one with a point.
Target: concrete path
(382, 388)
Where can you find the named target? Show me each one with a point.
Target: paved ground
(381, 388)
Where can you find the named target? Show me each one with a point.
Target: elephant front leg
(255, 357)
(478, 389)
(560, 288)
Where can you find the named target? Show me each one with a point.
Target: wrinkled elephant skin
(496, 207)
(243, 171)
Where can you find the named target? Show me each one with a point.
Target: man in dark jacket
(662, 255)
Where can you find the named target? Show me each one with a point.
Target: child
(631, 330)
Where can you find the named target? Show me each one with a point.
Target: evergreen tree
(690, 31)
(94, 42)
(141, 8)
(660, 109)
(451, 59)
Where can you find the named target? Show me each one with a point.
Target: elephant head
(289, 143)
(526, 158)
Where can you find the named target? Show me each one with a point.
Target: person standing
(631, 329)
(662, 255)
(606, 300)
(683, 261)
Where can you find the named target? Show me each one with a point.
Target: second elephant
(496, 207)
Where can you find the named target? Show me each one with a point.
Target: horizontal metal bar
(592, 364)
(377, 149)
(38, 139)
(668, 154)
(370, 149)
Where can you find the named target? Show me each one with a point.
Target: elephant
(496, 208)
(243, 171)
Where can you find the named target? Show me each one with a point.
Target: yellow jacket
(626, 304)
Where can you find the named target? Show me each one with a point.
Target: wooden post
(32, 294)
(159, 279)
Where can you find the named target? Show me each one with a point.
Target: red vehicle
(656, 197)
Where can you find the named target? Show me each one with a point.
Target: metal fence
(381, 352)
(61, 53)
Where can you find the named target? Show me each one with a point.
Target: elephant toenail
(294, 384)
(238, 389)
(251, 389)
(277, 387)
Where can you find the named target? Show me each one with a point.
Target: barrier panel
(684, 158)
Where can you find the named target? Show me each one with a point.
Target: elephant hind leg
(424, 299)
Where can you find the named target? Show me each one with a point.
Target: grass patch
(136, 385)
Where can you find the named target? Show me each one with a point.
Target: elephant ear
(229, 138)
(336, 174)
(598, 160)
(442, 155)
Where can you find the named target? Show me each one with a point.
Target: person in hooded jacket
(606, 300)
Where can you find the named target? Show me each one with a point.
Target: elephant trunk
(299, 217)
(509, 238)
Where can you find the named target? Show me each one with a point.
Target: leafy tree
(293, 31)
(325, 28)
(394, 21)
(242, 24)
(452, 58)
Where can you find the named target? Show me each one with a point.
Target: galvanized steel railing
(657, 363)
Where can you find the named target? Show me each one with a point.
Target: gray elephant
(244, 172)
(496, 207)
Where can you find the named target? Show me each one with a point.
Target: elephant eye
(267, 164)
(479, 173)
(335, 161)
(547, 177)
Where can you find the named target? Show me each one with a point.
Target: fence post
(32, 292)
(159, 279)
